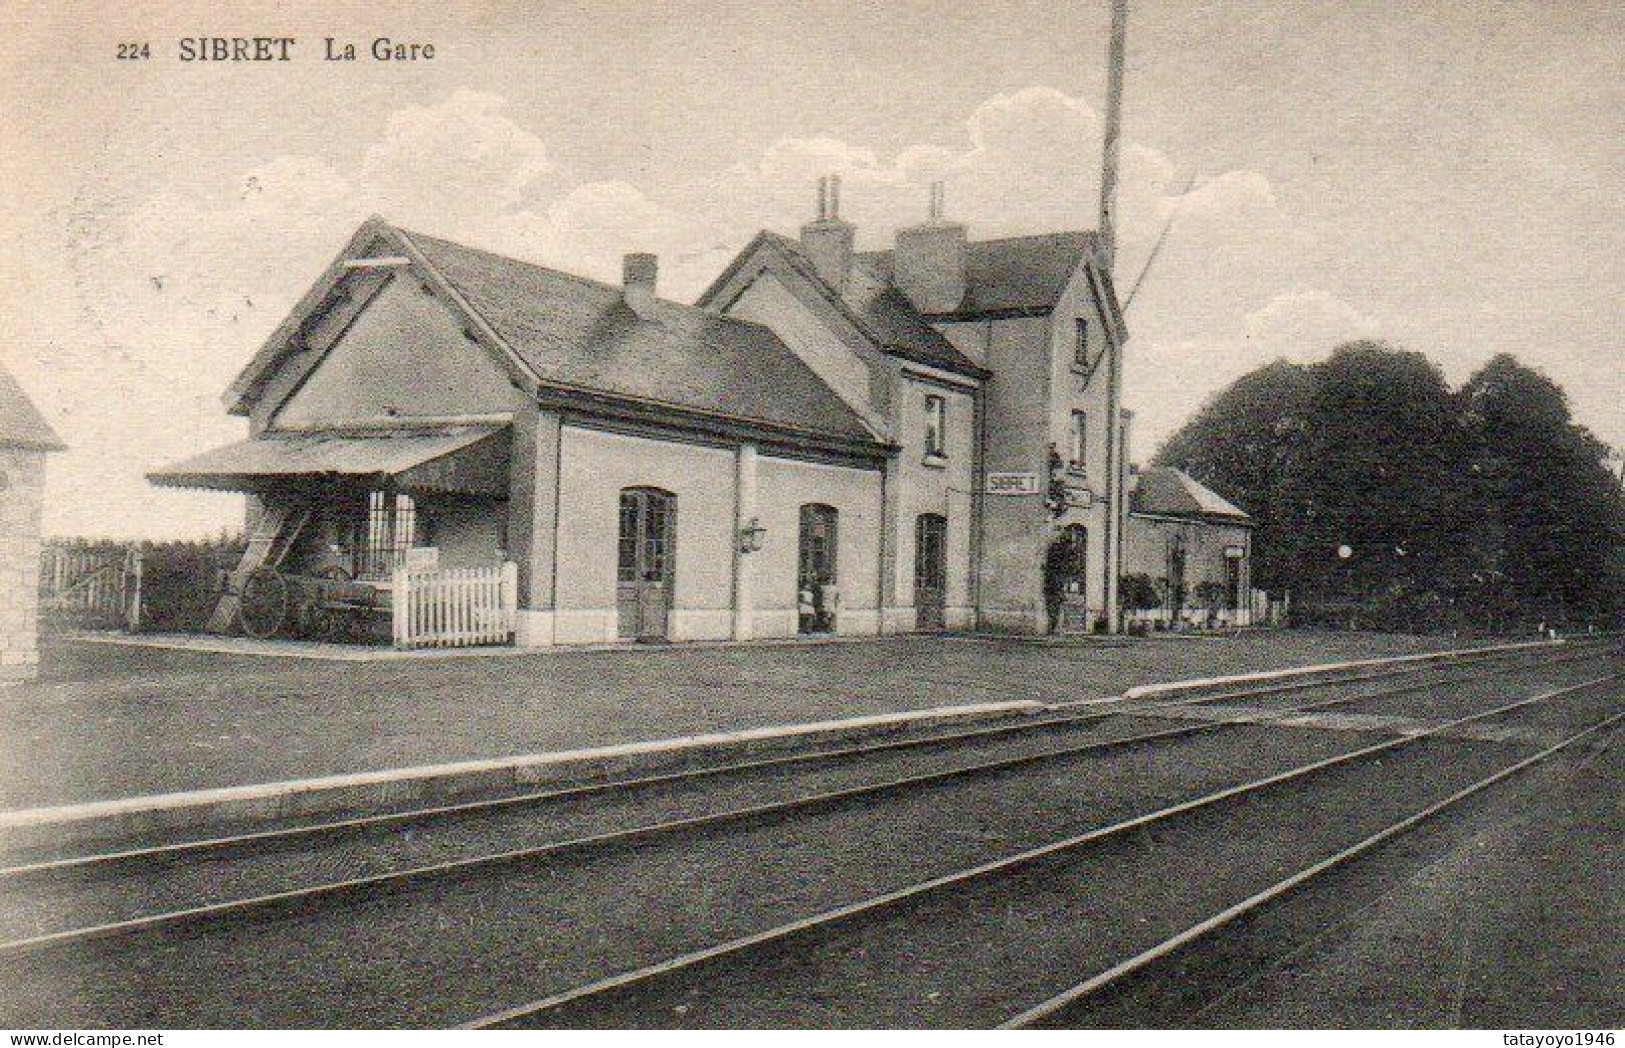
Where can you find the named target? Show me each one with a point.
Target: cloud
(452, 162)
(1304, 324)
(170, 295)
(593, 226)
(1168, 377)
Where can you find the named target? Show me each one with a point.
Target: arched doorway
(1066, 578)
(816, 579)
(648, 541)
(930, 571)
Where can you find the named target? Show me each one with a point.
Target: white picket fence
(454, 607)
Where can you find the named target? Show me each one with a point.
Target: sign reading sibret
(1012, 483)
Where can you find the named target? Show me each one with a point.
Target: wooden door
(644, 569)
(816, 583)
(930, 571)
(1067, 578)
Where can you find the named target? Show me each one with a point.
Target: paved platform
(108, 722)
(1370, 723)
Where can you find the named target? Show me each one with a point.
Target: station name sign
(1012, 483)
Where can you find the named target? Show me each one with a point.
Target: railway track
(805, 963)
(1161, 961)
(451, 936)
(394, 821)
(31, 893)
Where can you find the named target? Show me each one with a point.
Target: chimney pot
(930, 260)
(639, 271)
(828, 241)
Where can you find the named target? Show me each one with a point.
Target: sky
(1446, 176)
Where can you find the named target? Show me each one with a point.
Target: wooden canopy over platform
(470, 459)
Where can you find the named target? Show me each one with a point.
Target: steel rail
(870, 907)
(396, 880)
(366, 823)
(1597, 750)
(1068, 998)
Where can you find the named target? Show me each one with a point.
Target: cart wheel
(264, 603)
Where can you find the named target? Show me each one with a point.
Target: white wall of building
(859, 379)
(784, 486)
(921, 486)
(23, 471)
(1076, 388)
(1206, 545)
(594, 466)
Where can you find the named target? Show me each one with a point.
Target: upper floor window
(936, 426)
(1081, 349)
(1078, 440)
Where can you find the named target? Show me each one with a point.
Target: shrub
(181, 581)
(1138, 592)
(1210, 595)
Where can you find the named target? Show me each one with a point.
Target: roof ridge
(487, 252)
(1005, 239)
(613, 289)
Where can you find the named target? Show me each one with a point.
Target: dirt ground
(107, 721)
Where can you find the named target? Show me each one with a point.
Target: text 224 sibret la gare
(288, 49)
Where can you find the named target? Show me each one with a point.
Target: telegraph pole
(1114, 131)
(1116, 453)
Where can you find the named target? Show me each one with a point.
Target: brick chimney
(638, 273)
(828, 241)
(929, 262)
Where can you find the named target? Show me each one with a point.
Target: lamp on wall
(750, 536)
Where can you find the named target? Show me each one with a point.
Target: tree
(1551, 515)
(1239, 445)
(1370, 499)
(1386, 500)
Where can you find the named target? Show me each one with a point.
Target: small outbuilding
(1188, 553)
(25, 440)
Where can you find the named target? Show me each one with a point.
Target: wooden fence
(456, 607)
(90, 585)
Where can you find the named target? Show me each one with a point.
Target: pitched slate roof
(1171, 492)
(1013, 275)
(21, 424)
(882, 312)
(581, 334)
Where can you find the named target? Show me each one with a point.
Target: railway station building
(828, 441)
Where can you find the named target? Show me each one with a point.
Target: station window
(391, 529)
(936, 426)
(1078, 440)
(1081, 350)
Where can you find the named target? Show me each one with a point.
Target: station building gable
(404, 354)
(1007, 338)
